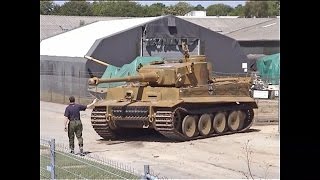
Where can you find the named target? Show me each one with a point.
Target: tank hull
(179, 99)
(180, 120)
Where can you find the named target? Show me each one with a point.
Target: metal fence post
(64, 85)
(147, 174)
(50, 86)
(79, 86)
(146, 171)
(279, 109)
(52, 153)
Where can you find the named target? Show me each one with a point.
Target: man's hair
(71, 99)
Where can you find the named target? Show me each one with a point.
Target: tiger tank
(178, 99)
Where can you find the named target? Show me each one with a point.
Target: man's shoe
(72, 151)
(81, 152)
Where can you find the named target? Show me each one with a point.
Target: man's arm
(66, 122)
(93, 102)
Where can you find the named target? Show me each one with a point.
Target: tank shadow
(136, 135)
(151, 136)
(110, 142)
(147, 136)
(251, 130)
(155, 137)
(84, 153)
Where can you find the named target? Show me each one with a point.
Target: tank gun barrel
(96, 60)
(142, 77)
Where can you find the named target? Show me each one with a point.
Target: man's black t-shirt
(72, 111)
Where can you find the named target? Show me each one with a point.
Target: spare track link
(100, 124)
(164, 123)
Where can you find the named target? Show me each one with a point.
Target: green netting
(125, 70)
(269, 68)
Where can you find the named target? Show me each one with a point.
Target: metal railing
(57, 163)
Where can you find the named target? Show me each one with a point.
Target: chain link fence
(58, 88)
(268, 112)
(57, 163)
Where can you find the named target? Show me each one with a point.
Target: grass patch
(68, 166)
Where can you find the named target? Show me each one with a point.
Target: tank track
(100, 124)
(164, 122)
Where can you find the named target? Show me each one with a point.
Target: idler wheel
(236, 120)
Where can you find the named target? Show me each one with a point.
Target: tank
(177, 98)
(100, 91)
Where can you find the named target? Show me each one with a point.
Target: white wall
(196, 13)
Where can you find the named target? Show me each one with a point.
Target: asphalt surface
(211, 158)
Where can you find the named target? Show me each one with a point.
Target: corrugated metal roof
(225, 25)
(77, 42)
(269, 30)
(51, 25)
(232, 27)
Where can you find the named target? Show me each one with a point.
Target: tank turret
(191, 72)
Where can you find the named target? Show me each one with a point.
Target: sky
(193, 3)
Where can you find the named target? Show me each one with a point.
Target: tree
(56, 9)
(219, 10)
(156, 9)
(199, 8)
(179, 9)
(118, 9)
(76, 8)
(238, 11)
(274, 8)
(46, 7)
(262, 8)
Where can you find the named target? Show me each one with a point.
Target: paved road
(217, 157)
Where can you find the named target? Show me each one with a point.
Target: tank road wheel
(204, 124)
(189, 126)
(219, 123)
(234, 121)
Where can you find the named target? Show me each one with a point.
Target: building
(51, 25)
(64, 70)
(119, 41)
(261, 38)
(255, 35)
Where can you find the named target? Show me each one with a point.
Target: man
(73, 123)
